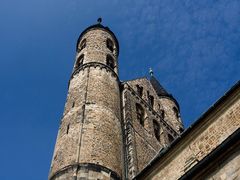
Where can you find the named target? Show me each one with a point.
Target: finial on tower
(150, 71)
(99, 20)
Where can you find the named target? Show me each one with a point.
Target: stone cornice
(95, 64)
(89, 166)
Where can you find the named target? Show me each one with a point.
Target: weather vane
(150, 71)
(99, 20)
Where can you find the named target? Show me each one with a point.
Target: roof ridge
(160, 90)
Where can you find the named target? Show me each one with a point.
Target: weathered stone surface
(229, 169)
(110, 130)
(142, 144)
(90, 130)
(211, 131)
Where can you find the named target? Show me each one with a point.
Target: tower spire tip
(99, 20)
(150, 71)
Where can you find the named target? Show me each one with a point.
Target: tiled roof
(161, 92)
(158, 87)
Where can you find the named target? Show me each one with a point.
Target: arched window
(79, 61)
(150, 99)
(176, 112)
(82, 45)
(140, 114)
(109, 44)
(139, 90)
(110, 61)
(156, 128)
(170, 138)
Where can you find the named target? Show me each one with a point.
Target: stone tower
(110, 129)
(89, 141)
(168, 107)
(132, 129)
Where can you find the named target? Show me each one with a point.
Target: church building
(113, 129)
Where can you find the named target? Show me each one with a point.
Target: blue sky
(193, 47)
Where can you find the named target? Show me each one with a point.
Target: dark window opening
(73, 104)
(162, 113)
(176, 112)
(55, 157)
(156, 128)
(139, 90)
(181, 129)
(140, 114)
(110, 62)
(68, 128)
(79, 61)
(82, 45)
(150, 99)
(110, 45)
(159, 107)
(170, 138)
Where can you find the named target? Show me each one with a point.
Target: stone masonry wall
(170, 115)
(90, 130)
(143, 144)
(159, 104)
(85, 172)
(66, 147)
(96, 49)
(217, 127)
(102, 137)
(230, 169)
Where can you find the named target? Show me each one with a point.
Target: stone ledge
(87, 166)
(95, 64)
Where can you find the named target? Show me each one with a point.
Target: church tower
(89, 141)
(168, 107)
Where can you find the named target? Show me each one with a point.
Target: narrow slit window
(156, 128)
(68, 126)
(151, 100)
(140, 114)
(170, 138)
(162, 113)
(139, 90)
